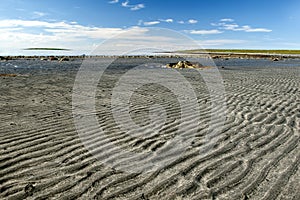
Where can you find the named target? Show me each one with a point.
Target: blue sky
(83, 24)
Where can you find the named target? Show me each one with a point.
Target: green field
(242, 51)
(47, 49)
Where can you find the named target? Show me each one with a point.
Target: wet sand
(256, 156)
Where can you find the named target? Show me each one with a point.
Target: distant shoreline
(213, 53)
(46, 49)
(255, 51)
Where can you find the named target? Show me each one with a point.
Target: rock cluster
(185, 64)
(5, 58)
(275, 59)
(54, 58)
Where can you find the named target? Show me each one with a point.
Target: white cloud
(32, 23)
(220, 43)
(132, 7)
(37, 14)
(246, 28)
(232, 27)
(151, 23)
(236, 27)
(61, 28)
(17, 35)
(192, 21)
(249, 29)
(114, 1)
(140, 22)
(137, 7)
(167, 20)
(204, 32)
(226, 20)
(125, 4)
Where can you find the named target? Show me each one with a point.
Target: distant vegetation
(47, 49)
(242, 51)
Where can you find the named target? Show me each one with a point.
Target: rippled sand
(255, 156)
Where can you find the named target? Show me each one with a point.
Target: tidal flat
(255, 155)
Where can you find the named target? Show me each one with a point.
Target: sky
(83, 25)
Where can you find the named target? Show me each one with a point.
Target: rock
(180, 64)
(29, 188)
(53, 58)
(144, 197)
(185, 64)
(171, 65)
(64, 59)
(275, 59)
(5, 58)
(149, 57)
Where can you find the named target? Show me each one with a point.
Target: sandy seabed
(256, 156)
